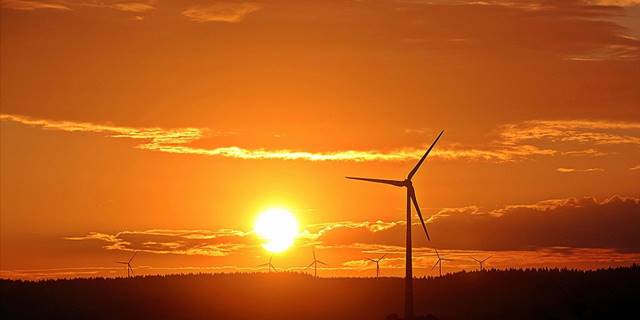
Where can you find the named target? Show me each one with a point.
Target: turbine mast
(411, 198)
(408, 277)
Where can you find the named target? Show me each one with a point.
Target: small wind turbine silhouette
(128, 263)
(481, 262)
(411, 197)
(269, 265)
(377, 262)
(439, 262)
(315, 264)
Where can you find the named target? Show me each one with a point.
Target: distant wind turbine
(439, 262)
(128, 263)
(314, 263)
(481, 262)
(269, 265)
(377, 262)
(411, 197)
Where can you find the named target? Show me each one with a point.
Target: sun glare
(278, 228)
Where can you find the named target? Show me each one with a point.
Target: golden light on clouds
(159, 127)
(517, 141)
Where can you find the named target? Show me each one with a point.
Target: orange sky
(167, 126)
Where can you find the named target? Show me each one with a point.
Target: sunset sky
(167, 127)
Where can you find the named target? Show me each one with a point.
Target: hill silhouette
(491, 294)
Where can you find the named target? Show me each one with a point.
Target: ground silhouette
(490, 294)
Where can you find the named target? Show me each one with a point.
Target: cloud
(516, 141)
(572, 222)
(608, 52)
(183, 242)
(569, 232)
(28, 5)
(315, 231)
(635, 167)
(567, 170)
(597, 132)
(619, 3)
(231, 12)
(133, 6)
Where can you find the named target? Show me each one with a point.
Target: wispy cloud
(635, 167)
(231, 12)
(597, 132)
(608, 52)
(127, 6)
(133, 6)
(516, 141)
(164, 241)
(567, 170)
(620, 3)
(32, 5)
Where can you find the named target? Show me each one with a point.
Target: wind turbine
(315, 264)
(439, 262)
(377, 262)
(269, 264)
(128, 263)
(411, 197)
(481, 262)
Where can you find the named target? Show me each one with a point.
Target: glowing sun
(278, 228)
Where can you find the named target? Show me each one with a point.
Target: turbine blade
(274, 268)
(435, 264)
(121, 262)
(415, 169)
(384, 255)
(437, 254)
(262, 265)
(310, 265)
(322, 263)
(134, 255)
(412, 194)
(476, 260)
(487, 258)
(370, 260)
(314, 253)
(385, 181)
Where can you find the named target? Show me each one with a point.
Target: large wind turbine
(439, 262)
(411, 197)
(481, 262)
(377, 262)
(128, 263)
(315, 264)
(269, 264)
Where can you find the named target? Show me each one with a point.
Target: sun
(278, 228)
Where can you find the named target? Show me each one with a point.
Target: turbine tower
(314, 263)
(411, 197)
(439, 262)
(481, 262)
(128, 263)
(269, 265)
(377, 262)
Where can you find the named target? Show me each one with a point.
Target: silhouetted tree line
(490, 294)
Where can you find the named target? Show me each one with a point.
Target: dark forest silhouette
(489, 294)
